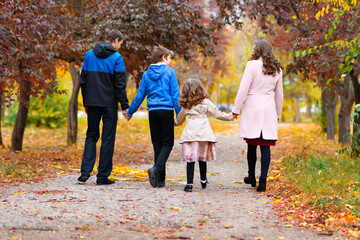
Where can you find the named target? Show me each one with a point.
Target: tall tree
(26, 46)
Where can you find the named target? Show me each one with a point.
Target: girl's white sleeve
(180, 118)
(216, 113)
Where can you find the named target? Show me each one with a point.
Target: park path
(61, 209)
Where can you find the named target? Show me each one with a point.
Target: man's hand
(126, 116)
(235, 115)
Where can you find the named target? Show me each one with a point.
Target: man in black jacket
(103, 86)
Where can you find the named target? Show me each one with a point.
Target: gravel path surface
(61, 209)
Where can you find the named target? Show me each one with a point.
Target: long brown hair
(263, 49)
(193, 92)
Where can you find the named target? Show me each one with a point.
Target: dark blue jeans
(109, 118)
(162, 137)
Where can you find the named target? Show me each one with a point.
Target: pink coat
(260, 97)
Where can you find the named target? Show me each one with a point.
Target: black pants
(190, 167)
(162, 137)
(109, 117)
(265, 160)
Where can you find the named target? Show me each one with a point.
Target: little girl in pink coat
(197, 139)
(260, 97)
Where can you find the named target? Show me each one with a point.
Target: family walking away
(103, 87)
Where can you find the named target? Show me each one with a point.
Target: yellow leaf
(176, 208)
(181, 176)
(240, 182)
(175, 154)
(18, 193)
(276, 201)
(288, 226)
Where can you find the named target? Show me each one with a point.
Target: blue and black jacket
(161, 87)
(103, 78)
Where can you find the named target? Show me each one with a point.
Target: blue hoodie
(160, 85)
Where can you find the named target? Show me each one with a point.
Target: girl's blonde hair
(193, 92)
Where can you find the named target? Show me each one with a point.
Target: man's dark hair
(114, 34)
(158, 52)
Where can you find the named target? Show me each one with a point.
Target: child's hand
(235, 115)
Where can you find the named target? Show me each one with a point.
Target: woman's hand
(235, 115)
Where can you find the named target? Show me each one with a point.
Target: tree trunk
(21, 117)
(297, 109)
(308, 106)
(355, 81)
(347, 101)
(73, 106)
(330, 99)
(1, 115)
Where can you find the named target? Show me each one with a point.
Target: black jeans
(109, 118)
(162, 137)
(265, 160)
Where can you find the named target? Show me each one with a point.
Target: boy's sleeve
(180, 118)
(83, 75)
(175, 91)
(120, 83)
(139, 98)
(216, 113)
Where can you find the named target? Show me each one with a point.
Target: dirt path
(61, 209)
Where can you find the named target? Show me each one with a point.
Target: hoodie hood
(155, 72)
(104, 50)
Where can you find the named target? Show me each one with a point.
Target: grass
(317, 186)
(332, 182)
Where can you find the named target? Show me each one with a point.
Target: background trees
(26, 42)
(42, 31)
(308, 40)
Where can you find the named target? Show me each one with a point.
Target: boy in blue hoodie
(161, 87)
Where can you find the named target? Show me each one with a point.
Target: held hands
(235, 115)
(126, 116)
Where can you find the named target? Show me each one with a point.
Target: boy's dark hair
(158, 52)
(113, 35)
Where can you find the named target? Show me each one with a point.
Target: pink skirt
(198, 151)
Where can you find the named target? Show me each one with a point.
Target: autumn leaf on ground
(176, 208)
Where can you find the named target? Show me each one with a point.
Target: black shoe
(262, 185)
(250, 180)
(160, 184)
(203, 184)
(188, 188)
(82, 179)
(105, 181)
(152, 172)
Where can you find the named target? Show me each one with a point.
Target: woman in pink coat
(260, 97)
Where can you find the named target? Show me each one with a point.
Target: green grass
(334, 183)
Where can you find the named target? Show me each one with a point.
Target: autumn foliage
(315, 185)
